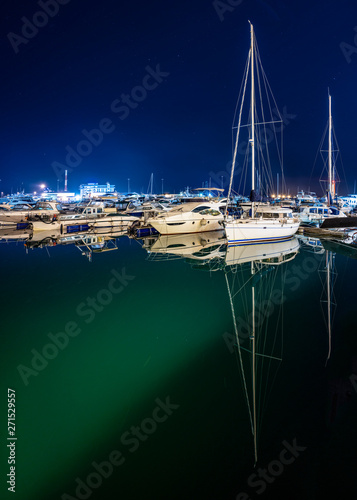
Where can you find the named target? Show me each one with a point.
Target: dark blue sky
(68, 74)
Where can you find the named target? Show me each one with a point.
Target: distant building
(95, 189)
(61, 197)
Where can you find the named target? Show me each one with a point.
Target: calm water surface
(150, 394)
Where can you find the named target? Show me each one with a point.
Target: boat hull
(257, 231)
(185, 227)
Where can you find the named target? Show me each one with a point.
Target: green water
(165, 335)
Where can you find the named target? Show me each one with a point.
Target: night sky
(183, 61)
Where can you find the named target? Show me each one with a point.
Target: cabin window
(268, 215)
(210, 211)
(199, 209)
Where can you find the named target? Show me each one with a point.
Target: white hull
(100, 223)
(185, 227)
(114, 221)
(255, 231)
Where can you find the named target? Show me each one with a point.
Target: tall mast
(252, 106)
(329, 148)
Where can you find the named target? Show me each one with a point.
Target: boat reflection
(8, 234)
(201, 247)
(340, 247)
(327, 272)
(254, 276)
(94, 241)
(267, 254)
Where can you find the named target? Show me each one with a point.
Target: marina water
(130, 384)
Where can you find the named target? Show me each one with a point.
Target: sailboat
(265, 223)
(317, 213)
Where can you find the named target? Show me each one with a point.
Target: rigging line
(246, 69)
(246, 163)
(259, 123)
(265, 403)
(318, 151)
(264, 316)
(264, 399)
(343, 170)
(239, 351)
(237, 137)
(241, 288)
(244, 299)
(261, 355)
(263, 117)
(270, 96)
(268, 85)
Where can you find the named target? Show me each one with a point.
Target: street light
(162, 186)
(128, 185)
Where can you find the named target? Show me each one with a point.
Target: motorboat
(43, 210)
(189, 218)
(316, 214)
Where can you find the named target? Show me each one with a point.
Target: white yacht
(42, 210)
(350, 200)
(304, 198)
(189, 218)
(262, 223)
(269, 224)
(317, 213)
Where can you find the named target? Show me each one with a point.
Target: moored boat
(262, 223)
(189, 218)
